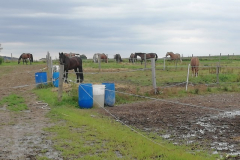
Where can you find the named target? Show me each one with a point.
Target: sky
(187, 27)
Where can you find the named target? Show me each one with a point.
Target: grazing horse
(195, 65)
(71, 63)
(102, 57)
(174, 57)
(24, 57)
(132, 59)
(118, 58)
(148, 56)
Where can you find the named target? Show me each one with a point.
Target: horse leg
(192, 71)
(80, 73)
(66, 76)
(77, 73)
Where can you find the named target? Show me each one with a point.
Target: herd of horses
(73, 62)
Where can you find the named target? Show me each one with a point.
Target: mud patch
(210, 122)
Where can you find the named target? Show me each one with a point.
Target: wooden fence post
(60, 82)
(99, 62)
(187, 76)
(154, 75)
(50, 69)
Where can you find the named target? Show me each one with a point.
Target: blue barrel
(55, 79)
(109, 94)
(41, 77)
(85, 95)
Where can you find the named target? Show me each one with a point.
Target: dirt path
(21, 134)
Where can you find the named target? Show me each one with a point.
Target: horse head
(62, 58)
(168, 53)
(19, 58)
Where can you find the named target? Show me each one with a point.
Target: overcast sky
(198, 27)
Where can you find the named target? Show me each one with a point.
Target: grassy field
(85, 134)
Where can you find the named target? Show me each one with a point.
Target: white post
(154, 75)
(60, 82)
(187, 76)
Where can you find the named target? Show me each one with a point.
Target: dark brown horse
(24, 57)
(148, 56)
(71, 63)
(195, 65)
(131, 58)
(173, 56)
(118, 58)
(102, 56)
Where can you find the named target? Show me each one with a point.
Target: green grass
(14, 103)
(86, 134)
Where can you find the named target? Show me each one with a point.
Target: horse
(102, 57)
(148, 56)
(118, 58)
(173, 56)
(25, 56)
(70, 54)
(71, 63)
(131, 58)
(194, 65)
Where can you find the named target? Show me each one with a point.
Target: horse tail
(156, 57)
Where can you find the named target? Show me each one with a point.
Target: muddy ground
(210, 121)
(204, 122)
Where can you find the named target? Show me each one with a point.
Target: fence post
(50, 69)
(187, 76)
(145, 60)
(60, 82)
(154, 75)
(99, 62)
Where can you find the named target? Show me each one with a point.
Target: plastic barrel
(98, 95)
(85, 94)
(55, 78)
(109, 94)
(41, 77)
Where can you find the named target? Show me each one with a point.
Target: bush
(1, 60)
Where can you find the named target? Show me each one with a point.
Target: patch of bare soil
(210, 122)
(21, 134)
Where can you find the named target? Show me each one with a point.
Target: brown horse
(131, 58)
(102, 56)
(148, 56)
(70, 54)
(26, 56)
(71, 63)
(195, 65)
(173, 56)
